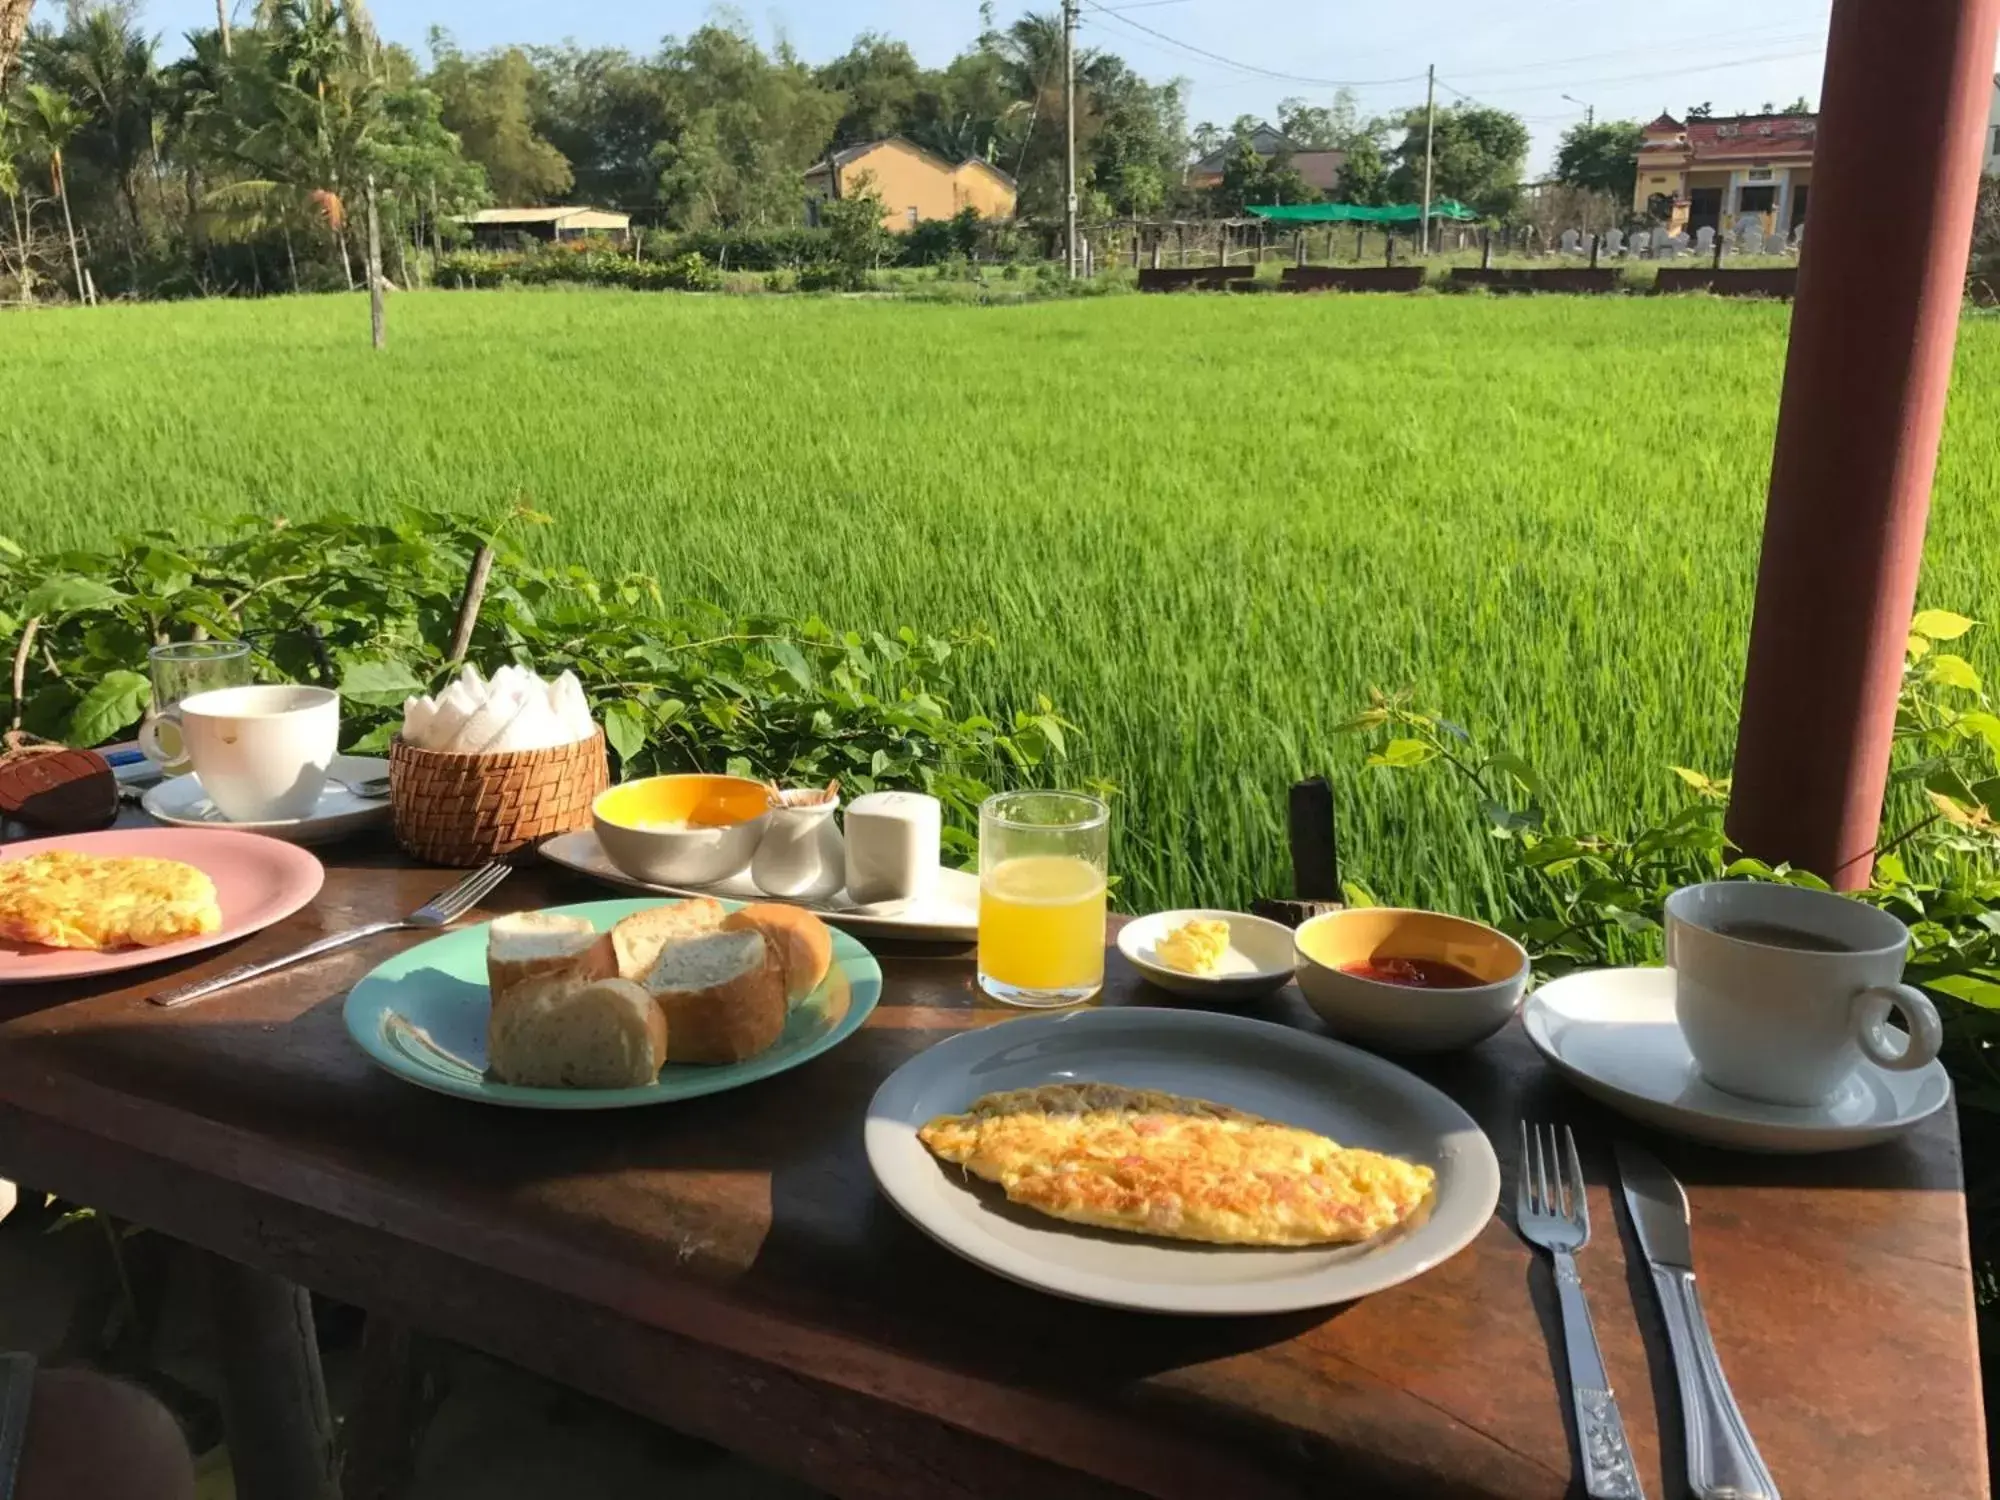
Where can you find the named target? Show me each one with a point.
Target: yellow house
(914, 183)
(1719, 171)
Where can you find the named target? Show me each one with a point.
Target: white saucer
(1259, 960)
(1612, 1033)
(181, 802)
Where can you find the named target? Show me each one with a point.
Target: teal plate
(422, 1015)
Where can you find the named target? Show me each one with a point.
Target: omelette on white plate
(1162, 1164)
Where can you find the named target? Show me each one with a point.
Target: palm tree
(107, 66)
(55, 122)
(13, 27)
(10, 189)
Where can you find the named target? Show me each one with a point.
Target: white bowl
(686, 829)
(1406, 1018)
(1259, 959)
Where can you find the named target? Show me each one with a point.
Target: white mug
(261, 752)
(1782, 991)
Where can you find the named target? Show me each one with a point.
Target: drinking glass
(1041, 897)
(181, 670)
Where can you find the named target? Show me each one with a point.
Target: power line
(1684, 45)
(1335, 83)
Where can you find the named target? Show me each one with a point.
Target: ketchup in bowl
(1414, 973)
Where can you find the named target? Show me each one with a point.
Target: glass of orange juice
(1041, 897)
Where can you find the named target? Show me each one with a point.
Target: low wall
(1556, 279)
(1191, 278)
(1353, 278)
(1776, 281)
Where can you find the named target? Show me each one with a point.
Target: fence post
(1718, 249)
(1593, 252)
(1388, 247)
(1222, 244)
(1486, 250)
(1299, 247)
(1156, 252)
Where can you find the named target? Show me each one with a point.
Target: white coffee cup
(1782, 991)
(261, 752)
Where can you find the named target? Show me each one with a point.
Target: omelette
(1162, 1164)
(67, 900)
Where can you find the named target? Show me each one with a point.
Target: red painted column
(1895, 175)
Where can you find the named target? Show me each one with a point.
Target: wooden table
(727, 1266)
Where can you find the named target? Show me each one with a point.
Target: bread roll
(723, 995)
(800, 939)
(636, 942)
(533, 945)
(559, 1034)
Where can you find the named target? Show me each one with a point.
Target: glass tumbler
(1041, 897)
(181, 670)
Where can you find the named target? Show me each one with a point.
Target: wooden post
(1902, 115)
(273, 1392)
(1388, 247)
(1180, 243)
(1486, 251)
(376, 332)
(1593, 252)
(1299, 247)
(1315, 856)
(1360, 244)
(1222, 244)
(1717, 262)
(1156, 252)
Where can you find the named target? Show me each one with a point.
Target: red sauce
(1416, 973)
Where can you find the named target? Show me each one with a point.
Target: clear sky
(1239, 58)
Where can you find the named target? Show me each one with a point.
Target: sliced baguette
(800, 939)
(559, 1034)
(531, 945)
(723, 995)
(638, 940)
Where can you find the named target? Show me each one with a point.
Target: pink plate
(258, 881)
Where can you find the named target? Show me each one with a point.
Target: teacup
(1781, 991)
(261, 752)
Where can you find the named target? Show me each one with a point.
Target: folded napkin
(517, 710)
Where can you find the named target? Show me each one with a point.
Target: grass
(1203, 525)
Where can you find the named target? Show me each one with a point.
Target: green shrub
(368, 608)
(589, 266)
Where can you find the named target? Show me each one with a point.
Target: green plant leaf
(1983, 724)
(64, 596)
(1916, 647)
(1523, 773)
(625, 728)
(118, 699)
(11, 548)
(384, 684)
(1940, 625)
(1947, 670)
(793, 660)
(1402, 754)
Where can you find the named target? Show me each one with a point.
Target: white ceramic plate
(181, 803)
(1612, 1033)
(948, 914)
(1275, 1071)
(1259, 961)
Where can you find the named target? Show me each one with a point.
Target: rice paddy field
(1203, 526)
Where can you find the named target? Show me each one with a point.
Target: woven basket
(456, 809)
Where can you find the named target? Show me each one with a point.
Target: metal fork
(441, 910)
(1553, 1211)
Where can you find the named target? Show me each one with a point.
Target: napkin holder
(453, 808)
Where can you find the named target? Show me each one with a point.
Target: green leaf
(625, 728)
(1940, 625)
(119, 699)
(788, 656)
(376, 740)
(1916, 647)
(381, 684)
(1969, 988)
(1368, 718)
(11, 548)
(1519, 769)
(1947, 670)
(1402, 753)
(1985, 725)
(62, 596)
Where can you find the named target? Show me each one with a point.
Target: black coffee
(1778, 935)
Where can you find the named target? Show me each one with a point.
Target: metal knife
(1722, 1461)
(17, 1384)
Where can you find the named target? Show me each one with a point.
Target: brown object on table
(1315, 857)
(51, 788)
(451, 808)
(727, 1266)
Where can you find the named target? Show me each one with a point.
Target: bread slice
(638, 939)
(800, 939)
(723, 994)
(532, 945)
(558, 1034)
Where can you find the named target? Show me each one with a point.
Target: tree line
(243, 162)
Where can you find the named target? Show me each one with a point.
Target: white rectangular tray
(948, 913)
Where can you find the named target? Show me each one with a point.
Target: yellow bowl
(689, 829)
(1399, 1017)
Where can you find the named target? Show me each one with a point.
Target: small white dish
(1612, 1033)
(180, 802)
(1258, 962)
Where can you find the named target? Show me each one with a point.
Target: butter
(1194, 947)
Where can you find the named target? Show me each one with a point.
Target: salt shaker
(892, 846)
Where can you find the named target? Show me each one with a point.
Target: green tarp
(1356, 213)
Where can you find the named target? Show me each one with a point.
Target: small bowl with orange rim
(684, 829)
(1400, 980)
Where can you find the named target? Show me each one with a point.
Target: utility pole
(1589, 110)
(1430, 131)
(1069, 134)
(376, 331)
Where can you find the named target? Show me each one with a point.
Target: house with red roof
(1716, 172)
